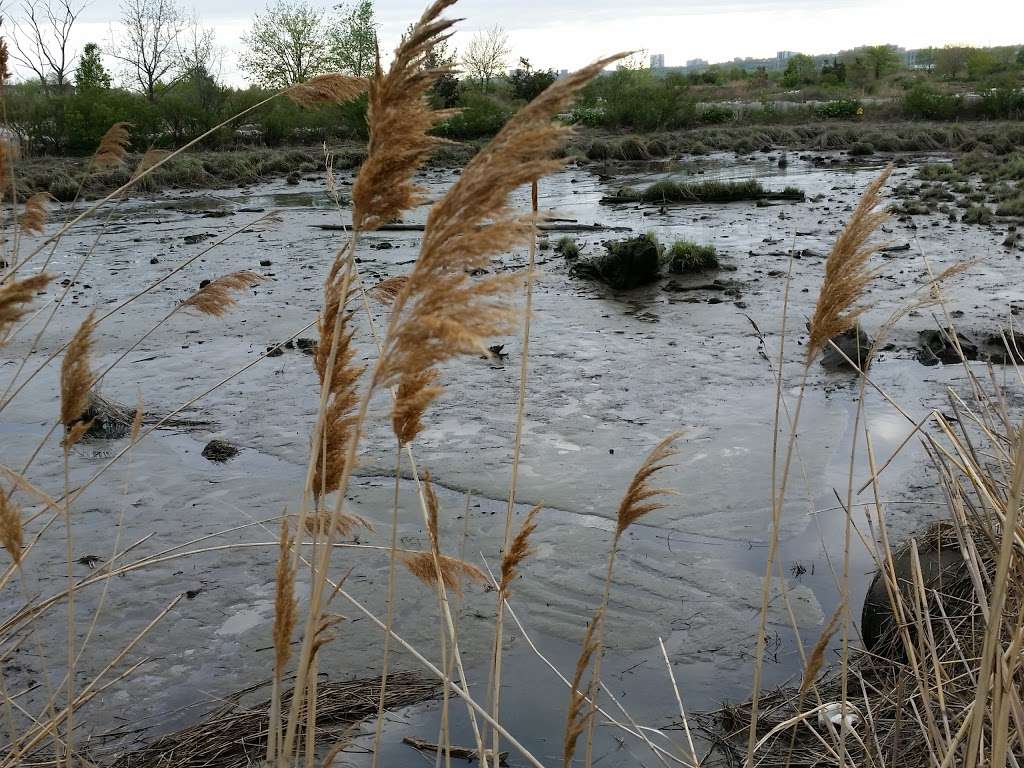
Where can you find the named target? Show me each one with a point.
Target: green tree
(353, 38)
(980, 64)
(90, 74)
(288, 43)
(800, 70)
(951, 61)
(881, 59)
(528, 83)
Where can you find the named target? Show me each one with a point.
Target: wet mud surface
(610, 375)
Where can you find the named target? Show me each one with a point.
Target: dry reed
(453, 571)
(76, 380)
(10, 527)
(637, 501)
(218, 296)
(15, 295)
(113, 148)
(284, 601)
(846, 270)
(319, 523)
(35, 216)
(387, 289)
(331, 88)
(399, 116)
(581, 706)
(518, 551)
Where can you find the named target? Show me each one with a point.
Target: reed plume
(15, 295)
(341, 375)
(76, 381)
(637, 501)
(817, 657)
(453, 571)
(399, 116)
(35, 215)
(332, 88)
(285, 608)
(319, 523)
(113, 148)
(580, 710)
(10, 527)
(441, 311)
(846, 270)
(387, 289)
(519, 551)
(151, 158)
(217, 297)
(415, 392)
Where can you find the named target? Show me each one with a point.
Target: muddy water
(610, 375)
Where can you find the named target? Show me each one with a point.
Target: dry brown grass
(113, 148)
(15, 296)
(399, 116)
(518, 551)
(10, 527)
(35, 216)
(218, 297)
(285, 608)
(580, 709)
(453, 571)
(320, 523)
(76, 380)
(638, 499)
(387, 289)
(846, 271)
(331, 88)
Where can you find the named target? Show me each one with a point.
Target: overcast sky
(564, 34)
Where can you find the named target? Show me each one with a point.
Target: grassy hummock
(711, 191)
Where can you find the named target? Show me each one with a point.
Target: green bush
(978, 214)
(717, 115)
(1011, 207)
(840, 109)
(923, 102)
(480, 116)
(862, 149)
(641, 100)
(567, 247)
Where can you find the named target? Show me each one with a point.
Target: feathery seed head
(518, 551)
(331, 88)
(15, 295)
(399, 116)
(218, 296)
(846, 271)
(113, 146)
(637, 501)
(76, 380)
(387, 289)
(285, 609)
(35, 215)
(10, 527)
(454, 572)
(580, 709)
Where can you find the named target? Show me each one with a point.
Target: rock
(936, 347)
(265, 262)
(627, 264)
(942, 570)
(197, 238)
(293, 178)
(854, 343)
(219, 451)
(154, 260)
(203, 284)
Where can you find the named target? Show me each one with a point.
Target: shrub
(840, 109)
(938, 172)
(711, 191)
(567, 247)
(480, 116)
(862, 149)
(1011, 207)
(685, 257)
(978, 214)
(923, 102)
(717, 115)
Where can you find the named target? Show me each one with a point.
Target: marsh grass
(951, 697)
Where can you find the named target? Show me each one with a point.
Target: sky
(566, 34)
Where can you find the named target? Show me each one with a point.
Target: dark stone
(154, 260)
(294, 178)
(854, 343)
(203, 284)
(219, 451)
(942, 570)
(936, 347)
(197, 238)
(627, 264)
(265, 262)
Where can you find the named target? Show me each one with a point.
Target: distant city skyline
(566, 34)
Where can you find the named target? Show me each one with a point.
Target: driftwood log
(465, 753)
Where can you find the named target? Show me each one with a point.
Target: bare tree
(487, 54)
(288, 43)
(150, 42)
(42, 40)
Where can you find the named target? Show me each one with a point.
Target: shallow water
(610, 375)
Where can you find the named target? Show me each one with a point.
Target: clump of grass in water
(710, 191)
(685, 257)
(567, 247)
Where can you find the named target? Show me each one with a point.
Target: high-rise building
(657, 61)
